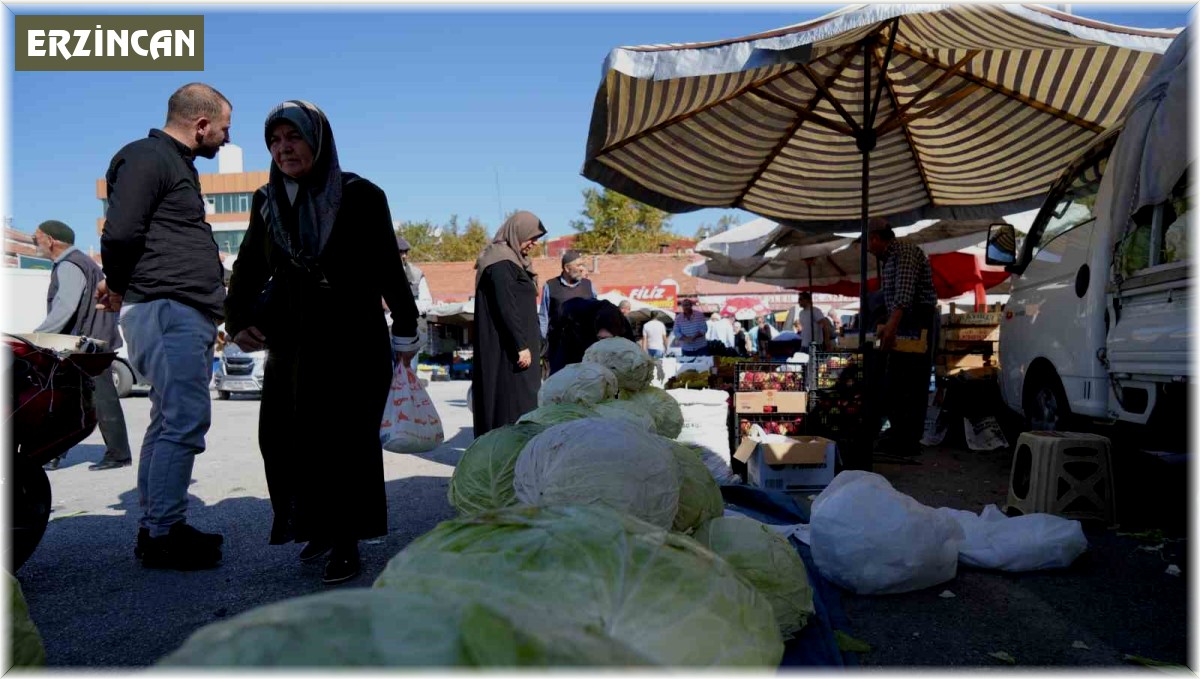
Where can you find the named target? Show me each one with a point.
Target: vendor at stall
(911, 307)
(690, 330)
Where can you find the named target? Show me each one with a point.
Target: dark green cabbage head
(483, 477)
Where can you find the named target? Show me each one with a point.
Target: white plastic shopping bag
(410, 420)
(872, 539)
(1021, 543)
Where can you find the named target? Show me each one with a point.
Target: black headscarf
(301, 228)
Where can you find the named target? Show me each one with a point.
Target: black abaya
(506, 322)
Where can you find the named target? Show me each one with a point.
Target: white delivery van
(1097, 323)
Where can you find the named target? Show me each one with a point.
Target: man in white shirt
(654, 338)
(719, 330)
(811, 317)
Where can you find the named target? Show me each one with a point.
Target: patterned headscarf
(506, 246)
(319, 193)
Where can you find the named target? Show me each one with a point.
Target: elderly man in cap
(420, 290)
(70, 311)
(571, 284)
(911, 307)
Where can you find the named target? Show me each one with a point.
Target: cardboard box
(799, 464)
(770, 401)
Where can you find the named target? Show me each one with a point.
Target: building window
(229, 242)
(229, 203)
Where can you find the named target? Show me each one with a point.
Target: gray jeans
(111, 419)
(171, 345)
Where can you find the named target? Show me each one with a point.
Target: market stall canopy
(462, 314)
(831, 262)
(979, 109)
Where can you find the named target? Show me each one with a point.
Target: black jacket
(156, 243)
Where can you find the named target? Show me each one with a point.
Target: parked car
(239, 372)
(1097, 322)
(125, 377)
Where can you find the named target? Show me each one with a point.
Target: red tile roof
(455, 281)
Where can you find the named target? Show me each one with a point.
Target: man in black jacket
(69, 310)
(164, 275)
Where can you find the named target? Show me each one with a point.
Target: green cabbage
(626, 412)
(379, 628)
(668, 416)
(25, 649)
(699, 495)
(768, 561)
(632, 366)
(483, 477)
(659, 593)
(557, 414)
(583, 383)
(600, 461)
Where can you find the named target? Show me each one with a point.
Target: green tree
(725, 223)
(449, 242)
(613, 223)
(422, 237)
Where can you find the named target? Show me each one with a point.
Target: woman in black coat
(505, 374)
(318, 256)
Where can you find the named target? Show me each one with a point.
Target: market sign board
(658, 296)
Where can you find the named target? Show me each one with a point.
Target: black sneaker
(215, 540)
(182, 549)
(314, 550)
(343, 565)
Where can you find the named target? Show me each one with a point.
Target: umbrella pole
(812, 312)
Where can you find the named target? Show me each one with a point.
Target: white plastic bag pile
(869, 538)
(705, 415)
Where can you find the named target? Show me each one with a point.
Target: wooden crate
(981, 333)
(963, 347)
(770, 401)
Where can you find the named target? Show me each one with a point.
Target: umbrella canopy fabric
(744, 308)
(979, 109)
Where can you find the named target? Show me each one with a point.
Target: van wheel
(122, 379)
(223, 395)
(1045, 403)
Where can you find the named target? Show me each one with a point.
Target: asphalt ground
(97, 607)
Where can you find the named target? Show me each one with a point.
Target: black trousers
(906, 382)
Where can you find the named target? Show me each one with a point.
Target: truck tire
(122, 378)
(1045, 402)
(223, 395)
(30, 509)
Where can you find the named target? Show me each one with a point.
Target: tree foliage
(616, 224)
(449, 242)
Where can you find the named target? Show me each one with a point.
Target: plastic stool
(1064, 473)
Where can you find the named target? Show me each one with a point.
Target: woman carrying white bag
(318, 255)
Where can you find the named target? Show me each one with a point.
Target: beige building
(227, 195)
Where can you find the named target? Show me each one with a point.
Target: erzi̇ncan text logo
(110, 42)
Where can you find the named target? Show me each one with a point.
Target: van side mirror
(1001, 244)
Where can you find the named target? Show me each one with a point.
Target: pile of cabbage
(586, 537)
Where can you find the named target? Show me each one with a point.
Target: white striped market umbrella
(904, 111)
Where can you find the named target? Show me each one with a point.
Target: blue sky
(430, 105)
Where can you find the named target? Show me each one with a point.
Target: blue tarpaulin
(815, 645)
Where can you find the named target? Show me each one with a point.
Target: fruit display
(689, 379)
(785, 425)
(837, 370)
(835, 414)
(760, 380)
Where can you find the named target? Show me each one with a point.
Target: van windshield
(1077, 205)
